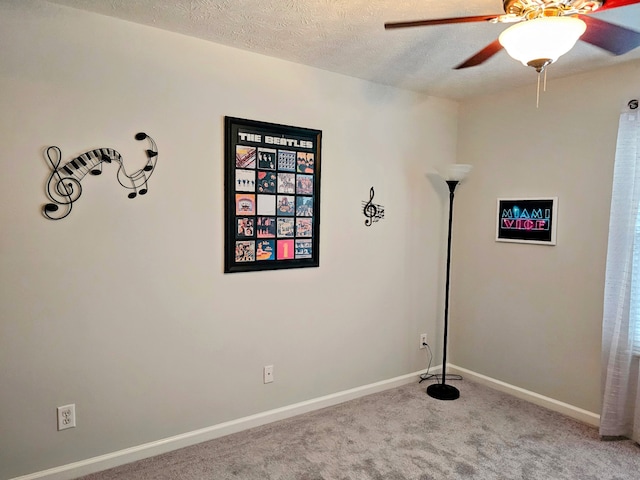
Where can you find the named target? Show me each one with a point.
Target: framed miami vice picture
(272, 196)
(527, 220)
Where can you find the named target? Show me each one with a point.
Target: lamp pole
(442, 391)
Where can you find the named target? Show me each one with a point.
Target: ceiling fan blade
(482, 56)
(612, 38)
(439, 21)
(609, 4)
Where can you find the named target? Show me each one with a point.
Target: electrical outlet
(423, 340)
(67, 416)
(267, 374)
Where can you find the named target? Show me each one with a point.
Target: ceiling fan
(543, 30)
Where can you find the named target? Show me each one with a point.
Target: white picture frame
(527, 220)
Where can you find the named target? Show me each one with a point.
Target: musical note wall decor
(372, 211)
(64, 188)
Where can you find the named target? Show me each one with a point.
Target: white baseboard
(121, 457)
(555, 405)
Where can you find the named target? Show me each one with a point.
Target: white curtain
(621, 319)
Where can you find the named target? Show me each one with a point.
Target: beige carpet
(404, 434)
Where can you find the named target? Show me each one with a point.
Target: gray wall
(531, 315)
(122, 308)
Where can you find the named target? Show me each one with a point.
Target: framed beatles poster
(527, 220)
(272, 196)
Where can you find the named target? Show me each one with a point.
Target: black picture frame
(272, 196)
(527, 220)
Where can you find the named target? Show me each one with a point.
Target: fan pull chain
(544, 85)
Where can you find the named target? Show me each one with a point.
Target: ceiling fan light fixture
(543, 40)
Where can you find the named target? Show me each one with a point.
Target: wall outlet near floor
(67, 416)
(267, 374)
(423, 340)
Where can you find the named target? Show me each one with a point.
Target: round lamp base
(443, 391)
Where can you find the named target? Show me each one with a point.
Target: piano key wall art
(64, 187)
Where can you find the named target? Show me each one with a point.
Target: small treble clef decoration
(372, 211)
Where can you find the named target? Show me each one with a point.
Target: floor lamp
(453, 174)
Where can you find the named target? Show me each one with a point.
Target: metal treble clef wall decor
(63, 186)
(372, 211)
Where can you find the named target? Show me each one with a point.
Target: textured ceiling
(348, 37)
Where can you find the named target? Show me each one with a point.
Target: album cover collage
(274, 203)
(272, 196)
